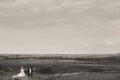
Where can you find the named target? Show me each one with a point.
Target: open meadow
(57, 69)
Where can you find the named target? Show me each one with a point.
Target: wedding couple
(22, 73)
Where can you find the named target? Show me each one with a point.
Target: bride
(21, 74)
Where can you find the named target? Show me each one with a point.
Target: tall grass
(81, 76)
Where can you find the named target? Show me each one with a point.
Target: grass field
(61, 69)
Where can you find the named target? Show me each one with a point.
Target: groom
(30, 72)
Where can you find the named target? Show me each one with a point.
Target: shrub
(96, 70)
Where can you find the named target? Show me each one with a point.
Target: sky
(60, 26)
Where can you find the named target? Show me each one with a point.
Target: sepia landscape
(59, 39)
(62, 66)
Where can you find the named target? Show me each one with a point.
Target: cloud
(61, 5)
(89, 25)
(49, 5)
(109, 43)
(13, 3)
(85, 44)
(103, 10)
(71, 4)
(20, 3)
(59, 12)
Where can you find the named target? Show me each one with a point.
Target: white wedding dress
(21, 74)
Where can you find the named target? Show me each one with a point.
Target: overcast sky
(60, 26)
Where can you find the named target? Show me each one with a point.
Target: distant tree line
(42, 57)
(63, 58)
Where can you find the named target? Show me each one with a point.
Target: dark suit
(30, 72)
